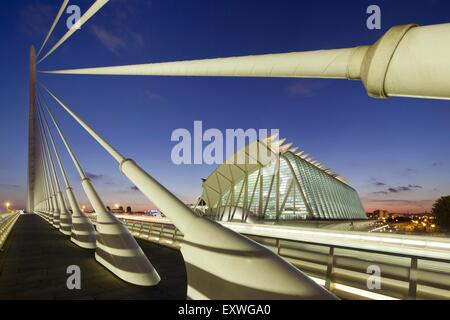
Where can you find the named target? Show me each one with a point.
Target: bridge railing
(348, 271)
(161, 232)
(6, 224)
(411, 267)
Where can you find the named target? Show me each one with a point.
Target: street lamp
(7, 205)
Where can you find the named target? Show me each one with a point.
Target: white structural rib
(408, 61)
(326, 64)
(88, 14)
(129, 262)
(58, 16)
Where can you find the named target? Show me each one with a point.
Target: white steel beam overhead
(386, 68)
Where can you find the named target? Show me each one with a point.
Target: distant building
(379, 214)
(287, 185)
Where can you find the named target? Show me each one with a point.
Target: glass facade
(288, 188)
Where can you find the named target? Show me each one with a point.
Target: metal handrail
(408, 269)
(6, 225)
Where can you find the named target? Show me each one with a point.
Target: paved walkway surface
(36, 256)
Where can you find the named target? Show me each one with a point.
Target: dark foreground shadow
(34, 262)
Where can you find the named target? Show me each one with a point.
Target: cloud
(408, 188)
(436, 164)
(112, 42)
(36, 18)
(419, 203)
(306, 88)
(399, 205)
(5, 185)
(120, 33)
(94, 176)
(377, 182)
(399, 201)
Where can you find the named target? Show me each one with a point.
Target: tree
(128, 209)
(441, 210)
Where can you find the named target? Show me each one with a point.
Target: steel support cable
(65, 221)
(45, 182)
(113, 152)
(48, 180)
(111, 231)
(386, 68)
(46, 167)
(39, 190)
(41, 158)
(46, 188)
(55, 150)
(46, 176)
(183, 219)
(41, 181)
(93, 197)
(66, 143)
(56, 200)
(51, 188)
(58, 16)
(287, 281)
(38, 176)
(81, 229)
(86, 16)
(49, 154)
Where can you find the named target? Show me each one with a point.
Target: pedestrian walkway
(34, 262)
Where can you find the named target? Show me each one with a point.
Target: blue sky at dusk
(394, 152)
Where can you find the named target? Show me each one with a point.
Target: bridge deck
(36, 256)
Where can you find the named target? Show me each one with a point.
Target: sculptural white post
(220, 263)
(116, 249)
(59, 202)
(53, 211)
(65, 218)
(82, 232)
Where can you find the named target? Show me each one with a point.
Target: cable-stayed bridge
(219, 260)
